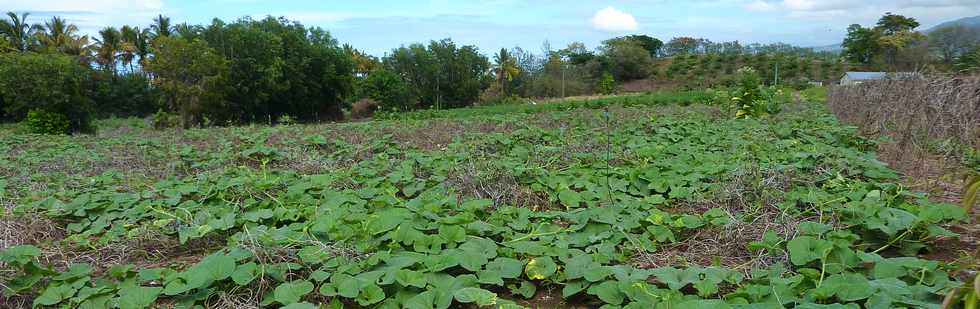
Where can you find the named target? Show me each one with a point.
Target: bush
(45, 122)
(50, 82)
(128, 95)
(607, 85)
(164, 120)
(386, 89)
(746, 96)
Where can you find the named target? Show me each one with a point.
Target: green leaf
(848, 287)
(805, 249)
(291, 292)
(452, 233)
(19, 255)
(245, 273)
(74, 271)
(608, 292)
(475, 295)
(597, 273)
(407, 278)
(540, 268)
(138, 297)
(370, 294)
(54, 294)
(347, 286)
(424, 300)
(709, 304)
(303, 305)
(96, 302)
(573, 287)
(569, 198)
(526, 289)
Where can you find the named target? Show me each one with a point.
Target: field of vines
(635, 202)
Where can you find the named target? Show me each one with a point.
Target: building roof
(881, 75)
(865, 75)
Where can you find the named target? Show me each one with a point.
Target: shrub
(164, 120)
(44, 122)
(50, 82)
(386, 89)
(128, 95)
(607, 85)
(746, 96)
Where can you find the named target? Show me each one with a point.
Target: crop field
(633, 202)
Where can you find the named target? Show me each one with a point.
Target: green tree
(136, 45)
(279, 67)
(898, 40)
(161, 27)
(505, 69)
(891, 24)
(969, 62)
(363, 63)
(191, 75)
(187, 31)
(59, 36)
(18, 32)
(681, 46)
(441, 74)
(627, 59)
(650, 44)
(861, 44)
(110, 44)
(51, 84)
(576, 53)
(386, 88)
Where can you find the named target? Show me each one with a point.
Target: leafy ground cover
(649, 205)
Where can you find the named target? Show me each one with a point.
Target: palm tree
(19, 33)
(130, 37)
(161, 26)
(187, 31)
(110, 43)
(56, 34)
(505, 68)
(79, 47)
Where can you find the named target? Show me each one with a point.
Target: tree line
(893, 44)
(274, 69)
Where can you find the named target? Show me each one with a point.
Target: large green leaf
(476, 295)
(138, 297)
(291, 292)
(540, 268)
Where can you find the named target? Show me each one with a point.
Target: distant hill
(969, 22)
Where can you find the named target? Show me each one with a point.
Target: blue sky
(377, 26)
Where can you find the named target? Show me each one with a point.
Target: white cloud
(612, 20)
(760, 6)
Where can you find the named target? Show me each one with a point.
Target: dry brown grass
(927, 125)
(926, 121)
(750, 197)
(363, 109)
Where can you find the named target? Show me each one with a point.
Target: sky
(377, 26)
